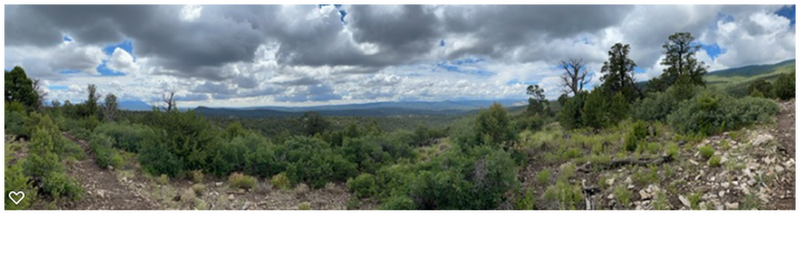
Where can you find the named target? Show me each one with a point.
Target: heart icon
(19, 194)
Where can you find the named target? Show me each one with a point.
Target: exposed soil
(785, 133)
(103, 189)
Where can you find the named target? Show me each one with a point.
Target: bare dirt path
(785, 133)
(104, 191)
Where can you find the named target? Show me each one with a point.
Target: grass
(543, 177)
(715, 161)
(706, 151)
(750, 201)
(623, 195)
(647, 177)
(304, 206)
(660, 202)
(241, 181)
(694, 200)
(199, 189)
(281, 182)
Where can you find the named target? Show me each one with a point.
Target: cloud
(122, 61)
(299, 54)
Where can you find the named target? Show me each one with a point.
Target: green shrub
(363, 186)
(564, 194)
(312, 161)
(572, 153)
(155, 156)
(571, 113)
(304, 206)
(706, 151)
(15, 123)
(127, 137)
(399, 202)
(241, 181)
(636, 135)
(14, 106)
(715, 161)
(785, 86)
(672, 150)
(199, 189)
(623, 195)
(655, 107)
(711, 112)
(493, 126)
(15, 180)
(102, 147)
(653, 148)
(281, 182)
(526, 201)
(543, 177)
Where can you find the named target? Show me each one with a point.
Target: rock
(769, 160)
(111, 168)
(732, 206)
(702, 189)
(723, 160)
(725, 184)
(630, 186)
(628, 180)
(721, 193)
(693, 162)
(639, 207)
(684, 201)
(231, 197)
(610, 196)
(747, 172)
(218, 184)
(644, 195)
(779, 169)
(703, 205)
(610, 182)
(751, 182)
(762, 139)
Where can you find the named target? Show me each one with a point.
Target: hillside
(736, 80)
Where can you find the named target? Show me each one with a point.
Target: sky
(298, 55)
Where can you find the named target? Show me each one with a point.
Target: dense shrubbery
(711, 112)
(103, 148)
(126, 137)
(314, 162)
(655, 107)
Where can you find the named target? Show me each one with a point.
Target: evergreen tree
(618, 73)
(20, 88)
(681, 61)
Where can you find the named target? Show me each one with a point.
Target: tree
(18, 87)
(37, 88)
(169, 101)
(785, 86)
(537, 103)
(313, 123)
(574, 77)
(618, 73)
(91, 101)
(681, 61)
(493, 126)
(111, 107)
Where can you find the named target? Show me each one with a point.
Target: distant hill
(378, 109)
(135, 105)
(736, 80)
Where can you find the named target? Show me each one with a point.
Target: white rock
(762, 139)
(732, 206)
(610, 182)
(723, 160)
(610, 196)
(721, 193)
(231, 197)
(644, 195)
(628, 180)
(218, 184)
(684, 201)
(779, 169)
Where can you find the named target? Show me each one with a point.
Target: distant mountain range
(135, 105)
(380, 109)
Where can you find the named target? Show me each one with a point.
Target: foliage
(635, 136)
(785, 86)
(314, 162)
(526, 201)
(363, 186)
(618, 73)
(304, 206)
(125, 136)
(681, 59)
(761, 88)
(570, 116)
(543, 177)
(493, 126)
(706, 151)
(623, 195)
(241, 181)
(19, 88)
(102, 147)
(281, 182)
(711, 112)
(564, 195)
(655, 107)
(715, 161)
(398, 202)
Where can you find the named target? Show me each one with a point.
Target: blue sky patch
(457, 69)
(787, 11)
(713, 50)
(67, 38)
(57, 87)
(441, 43)
(516, 81)
(126, 45)
(639, 70)
(70, 71)
(467, 61)
(105, 71)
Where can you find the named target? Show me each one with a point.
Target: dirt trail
(785, 133)
(104, 191)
